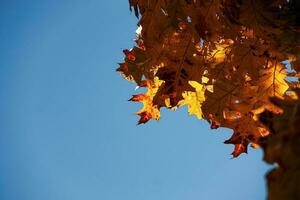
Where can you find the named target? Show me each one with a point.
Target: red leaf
(137, 97)
(238, 149)
(129, 55)
(145, 117)
(214, 125)
(140, 43)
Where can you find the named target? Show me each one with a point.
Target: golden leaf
(149, 110)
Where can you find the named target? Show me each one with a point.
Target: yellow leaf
(195, 99)
(196, 85)
(205, 79)
(194, 105)
(149, 111)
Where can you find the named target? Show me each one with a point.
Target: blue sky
(67, 131)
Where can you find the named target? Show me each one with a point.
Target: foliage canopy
(224, 59)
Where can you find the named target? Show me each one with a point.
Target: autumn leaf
(195, 99)
(149, 110)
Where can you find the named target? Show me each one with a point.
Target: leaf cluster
(224, 59)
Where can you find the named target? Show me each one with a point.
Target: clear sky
(67, 131)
